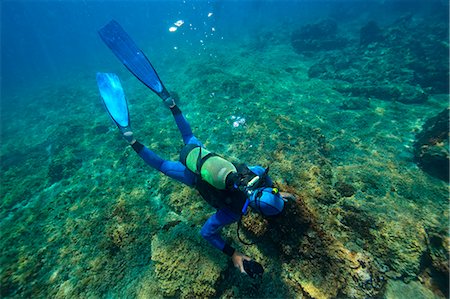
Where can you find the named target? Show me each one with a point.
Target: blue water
(46, 40)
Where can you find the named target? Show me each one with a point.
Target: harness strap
(201, 161)
(198, 166)
(239, 236)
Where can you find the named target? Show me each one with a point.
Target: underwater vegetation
(355, 126)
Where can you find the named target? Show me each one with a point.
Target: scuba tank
(209, 166)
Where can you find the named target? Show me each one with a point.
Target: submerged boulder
(317, 70)
(370, 33)
(403, 93)
(195, 268)
(431, 149)
(317, 37)
(355, 103)
(413, 289)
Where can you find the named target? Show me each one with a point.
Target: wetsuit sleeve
(211, 229)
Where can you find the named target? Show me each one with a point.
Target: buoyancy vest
(212, 171)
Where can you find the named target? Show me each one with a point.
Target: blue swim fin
(132, 57)
(114, 99)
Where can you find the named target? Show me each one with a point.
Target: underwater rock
(433, 77)
(63, 166)
(55, 172)
(345, 189)
(320, 30)
(231, 88)
(317, 37)
(315, 263)
(195, 268)
(431, 148)
(370, 33)
(325, 268)
(175, 195)
(255, 224)
(401, 246)
(360, 222)
(414, 289)
(436, 265)
(403, 93)
(408, 61)
(316, 70)
(355, 103)
(411, 94)
(426, 46)
(290, 227)
(100, 129)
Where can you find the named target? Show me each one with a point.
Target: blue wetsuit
(176, 170)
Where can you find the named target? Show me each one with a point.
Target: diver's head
(267, 201)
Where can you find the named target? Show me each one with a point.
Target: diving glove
(253, 269)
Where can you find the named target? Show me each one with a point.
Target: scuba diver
(230, 188)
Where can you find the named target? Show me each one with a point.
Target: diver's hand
(128, 136)
(288, 196)
(238, 259)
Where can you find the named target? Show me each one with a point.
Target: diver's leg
(175, 170)
(184, 127)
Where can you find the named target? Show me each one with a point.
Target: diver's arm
(211, 230)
